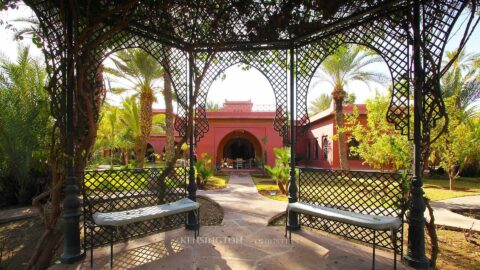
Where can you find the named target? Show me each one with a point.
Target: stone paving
(243, 241)
(444, 216)
(17, 214)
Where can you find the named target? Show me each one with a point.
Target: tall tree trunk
(92, 96)
(170, 133)
(126, 158)
(451, 176)
(146, 101)
(282, 188)
(338, 96)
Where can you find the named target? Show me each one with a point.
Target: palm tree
(462, 81)
(24, 121)
(212, 106)
(130, 114)
(142, 71)
(113, 134)
(345, 66)
(169, 129)
(320, 104)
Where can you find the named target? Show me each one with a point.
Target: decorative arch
(173, 60)
(391, 39)
(388, 39)
(272, 64)
(238, 134)
(348, 43)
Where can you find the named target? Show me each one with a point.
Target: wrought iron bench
(135, 202)
(364, 206)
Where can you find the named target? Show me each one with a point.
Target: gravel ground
(211, 213)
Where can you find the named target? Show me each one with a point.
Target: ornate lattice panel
(371, 193)
(438, 20)
(53, 48)
(272, 64)
(173, 60)
(120, 190)
(388, 37)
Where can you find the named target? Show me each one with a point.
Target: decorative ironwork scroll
(173, 60)
(272, 64)
(388, 38)
(439, 18)
(53, 38)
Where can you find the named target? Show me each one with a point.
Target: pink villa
(238, 131)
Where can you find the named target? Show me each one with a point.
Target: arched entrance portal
(239, 144)
(239, 148)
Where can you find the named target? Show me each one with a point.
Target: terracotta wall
(320, 128)
(256, 127)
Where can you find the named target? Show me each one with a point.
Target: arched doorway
(239, 144)
(239, 148)
(150, 153)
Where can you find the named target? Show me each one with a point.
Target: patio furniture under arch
(285, 39)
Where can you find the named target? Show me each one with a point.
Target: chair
(249, 163)
(229, 163)
(239, 163)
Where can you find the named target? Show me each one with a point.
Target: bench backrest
(372, 193)
(120, 190)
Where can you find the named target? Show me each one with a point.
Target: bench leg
(394, 232)
(373, 260)
(111, 246)
(290, 236)
(197, 229)
(287, 228)
(91, 247)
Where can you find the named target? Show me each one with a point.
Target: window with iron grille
(316, 149)
(309, 147)
(325, 147)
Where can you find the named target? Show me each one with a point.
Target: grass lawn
(435, 188)
(265, 185)
(373, 193)
(217, 182)
(438, 188)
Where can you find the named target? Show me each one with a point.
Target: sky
(238, 84)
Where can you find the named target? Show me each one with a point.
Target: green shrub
(203, 169)
(281, 171)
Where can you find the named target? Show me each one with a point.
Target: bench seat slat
(367, 221)
(142, 214)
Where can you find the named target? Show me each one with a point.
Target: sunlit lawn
(435, 188)
(438, 188)
(266, 186)
(372, 194)
(217, 182)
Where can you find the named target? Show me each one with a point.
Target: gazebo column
(192, 186)
(292, 187)
(416, 235)
(72, 251)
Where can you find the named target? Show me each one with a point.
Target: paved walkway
(444, 216)
(17, 214)
(243, 241)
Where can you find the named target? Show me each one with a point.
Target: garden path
(444, 215)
